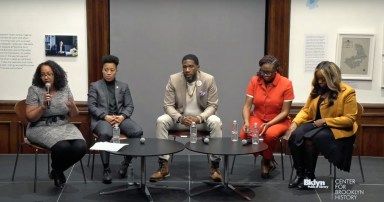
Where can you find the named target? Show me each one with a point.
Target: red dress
(267, 104)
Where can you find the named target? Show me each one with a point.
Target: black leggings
(66, 153)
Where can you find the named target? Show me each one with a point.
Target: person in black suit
(110, 103)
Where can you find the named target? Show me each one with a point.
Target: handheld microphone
(142, 140)
(48, 87)
(206, 140)
(246, 142)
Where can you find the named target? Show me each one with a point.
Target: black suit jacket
(98, 100)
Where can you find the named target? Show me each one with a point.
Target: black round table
(151, 147)
(225, 147)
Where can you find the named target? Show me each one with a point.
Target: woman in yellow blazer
(326, 124)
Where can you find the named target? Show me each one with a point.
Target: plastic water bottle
(130, 175)
(235, 131)
(255, 134)
(193, 132)
(116, 134)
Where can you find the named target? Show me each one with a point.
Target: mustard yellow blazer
(340, 117)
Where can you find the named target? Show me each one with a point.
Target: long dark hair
(60, 77)
(332, 75)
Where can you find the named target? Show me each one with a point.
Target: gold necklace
(193, 91)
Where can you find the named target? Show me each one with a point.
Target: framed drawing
(354, 54)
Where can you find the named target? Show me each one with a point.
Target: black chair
(20, 109)
(360, 110)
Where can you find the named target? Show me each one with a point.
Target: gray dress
(49, 133)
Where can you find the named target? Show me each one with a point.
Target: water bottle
(130, 174)
(116, 134)
(235, 131)
(255, 134)
(193, 132)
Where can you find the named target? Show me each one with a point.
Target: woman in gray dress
(49, 105)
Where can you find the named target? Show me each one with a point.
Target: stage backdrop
(152, 36)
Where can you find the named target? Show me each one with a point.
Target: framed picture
(61, 45)
(354, 55)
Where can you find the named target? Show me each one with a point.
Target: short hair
(270, 59)
(60, 77)
(191, 57)
(111, 59)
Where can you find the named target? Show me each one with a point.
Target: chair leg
(282, 159)
(93, 163)
(330, 169)
(361, 167)
(35, 180)
(292, 168)
(17, 158)
(82, 170)
(334, 178)
(89, 158)
(49, 168)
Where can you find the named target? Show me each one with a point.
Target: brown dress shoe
(162, 172)
(215, 173)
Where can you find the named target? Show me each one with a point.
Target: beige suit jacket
(175, 95)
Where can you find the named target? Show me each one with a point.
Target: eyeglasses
(266, 73)
(49, 75)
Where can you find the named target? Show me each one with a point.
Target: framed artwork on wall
(354, 54)
(61, 45)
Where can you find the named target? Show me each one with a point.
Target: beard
(191, 78)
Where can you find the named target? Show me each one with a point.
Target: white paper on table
(107, 146)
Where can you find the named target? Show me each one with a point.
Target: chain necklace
(193, 91)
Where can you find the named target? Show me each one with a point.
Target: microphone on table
(48, 87)
(246, 142)
(142, 140)
(206, 140)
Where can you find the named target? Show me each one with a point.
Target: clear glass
(116, 134)
(235, 131)
(193, 132)
(255, 134)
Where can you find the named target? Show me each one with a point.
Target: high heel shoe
(272, 164)
(55, 176)
(265, 168)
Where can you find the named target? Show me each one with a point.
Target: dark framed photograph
(61, 45)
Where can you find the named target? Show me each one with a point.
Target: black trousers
(66, 153)
(104, 130)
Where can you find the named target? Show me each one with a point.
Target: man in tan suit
(190, 96)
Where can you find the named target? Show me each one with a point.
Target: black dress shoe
(55, 176)
(295, 182)
(107, 178)
(62, 178)
(123, 169)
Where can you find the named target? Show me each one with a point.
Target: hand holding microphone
(48, 87)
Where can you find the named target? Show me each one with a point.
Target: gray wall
(150, 37)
